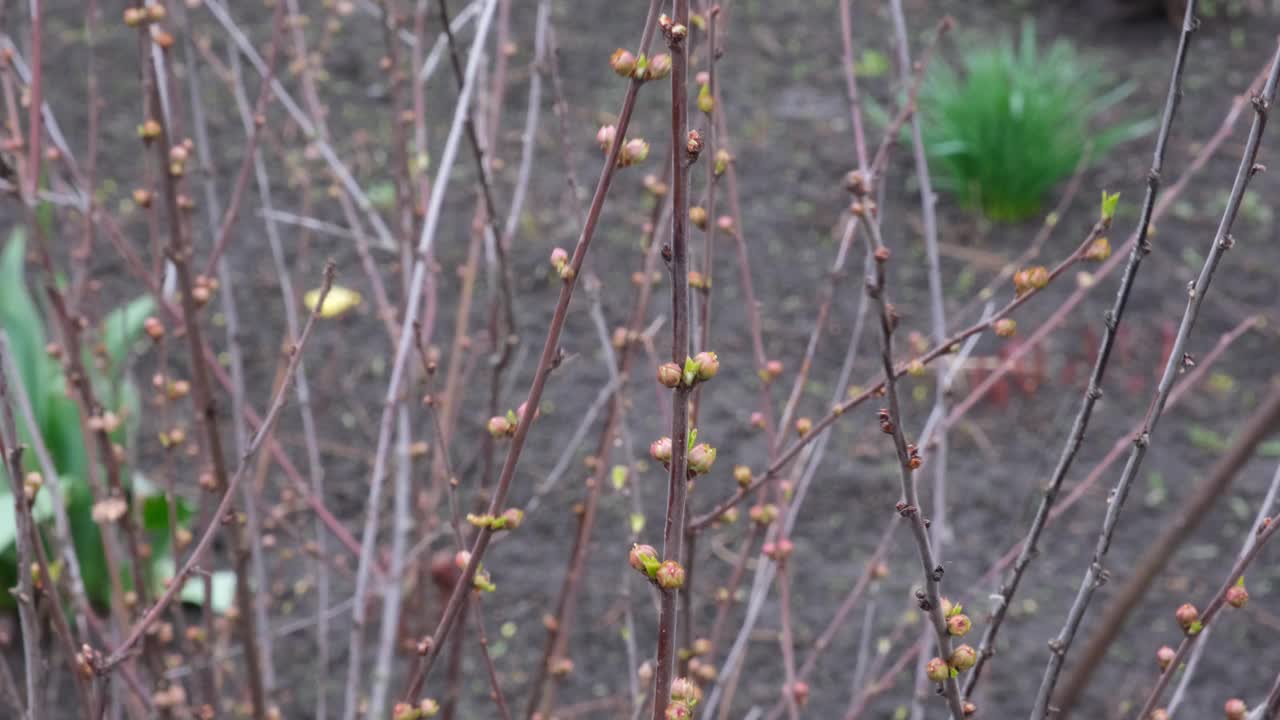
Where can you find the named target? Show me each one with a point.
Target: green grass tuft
(1011, 122)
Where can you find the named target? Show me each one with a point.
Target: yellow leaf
(339, 301)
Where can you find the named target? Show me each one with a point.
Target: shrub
(1009, 123)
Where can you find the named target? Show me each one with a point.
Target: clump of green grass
(1007, 123)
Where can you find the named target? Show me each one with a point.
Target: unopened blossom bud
(701, 457)
(1159, 714)
(142, 198)
(605, 136)
(404, 711)
(708, 365)
(959, 625)
(879, 571)
(659, 67)
(634, 151)
(559, 258)
(800, 692)
(642, 558)
(963, 658)
(757, 420)
(654, 185)
(499, 426)
(660, 450)
(915, 368)
(461, 559)
(742, 475)
(937, 670)
(511, 518)
(537, 412)
(678, 711)
(698, 216)
(685, 691)
(623, 62)
(772, 369)
(969, 709)
(134, 17)
(693, 144)
(803, 426)
(725, 223)
(1165, 656)
(697, 281)
(857, 183)
(1099, 250)
(763, 514)
(723, 158)
(153, 327)
(778, 551)
(670, 575)
(1006, 327)
(669, 375)
(702, 646)
(149, 130)
(1187, 616)
(1032, 278)
(1237, 596)
(1235, 709)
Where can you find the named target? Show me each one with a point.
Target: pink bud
(660, 450)
(559, 258)
(634, 151)
(742, 474)
(937, 670)
(803, 426)
(708, 365)
(461, 558)
(800, 691)
(725, 223)
(1237, 596)
(963, 658)
(959, 625)
(659, 67)
(669, 375)
(641, 557)
(605, 137)
(773, 368)
(1187, 616)
(701, 458)
(678, 711)
(1006, 327)
(1235, 709)
(670, 575)
(1165, 656)
(623, 62)
(757, 420)
(500, 426)
(685, 691)
(520, 411)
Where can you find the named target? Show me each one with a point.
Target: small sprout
(660, 450)
(723, 158)
(1188, 617)
(708, 365)
(937, 670)
(803, 426)
(959, 625)
(742, 475)
(1099, 250)
(669, 375)
(644, 559)
(1235, 709)
(1237, 595)
(701, 457)
(623, 62)
(698, 216)
(670, 575)
(706, 102)
(1165, 656)
(1006, 327)
(483, 582)
(1030, 279)
(1109, 203)
(963, 658)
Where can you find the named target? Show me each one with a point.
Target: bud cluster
(1029, 280)
(699, 368)
(501, 426)
(626, 64)
(426, 708)
(509, 519)
(634, 150)
(668, 575)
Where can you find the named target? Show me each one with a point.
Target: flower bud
(763, 514)
(937, 670)
(670, 575)
(1237, 596)
(757, 420)
(725, 224)
(959, 625)
(800, 692)
(1006, 327)
(1187, 616)
(697, 281)
(693, 144)
(659, 67)
(634, 151)
(1159, 714)
(678, 711)
(969, 709)
(153, 327)
(701, 457)
(1165, 656)
(1099, 250)
(623, 62)
(559, 258)
(1032, 278)
(915, 368)
(660, 450)
(778, 551)
(655, 186)
(605, 137)
(963, 658)
(669, 375)
(742, 475)
(500, 427)
(803, 426)
(772, 370)
(723, 158)
(642, 558)
(857, 183)
(511, 518)
(685, 691)
(708, 365)
(1235, 709)
(702, 646)
(698, 216)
